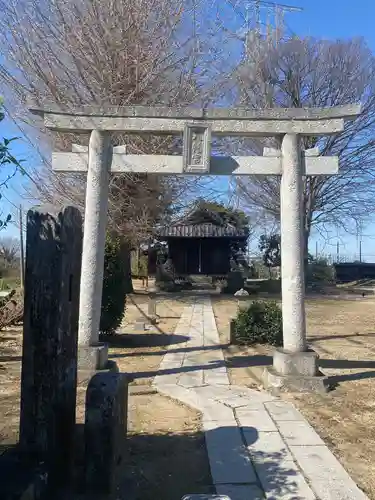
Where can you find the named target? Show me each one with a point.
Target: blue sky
(320, 18)
(334, 18)
(338, 19)
(10, 197)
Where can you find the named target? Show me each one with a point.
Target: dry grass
(10, 376)
(168, 457)
(165, 452)
(140, 352)
(343, 333)
(162, 433)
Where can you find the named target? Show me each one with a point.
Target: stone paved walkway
(258, 446)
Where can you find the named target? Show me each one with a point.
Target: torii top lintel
(172, 120)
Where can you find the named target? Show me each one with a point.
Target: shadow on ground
(168, 466)
(17, 471)
(169, 351)
(6, 359)
(8, 354)
(348, 364)
(317, 338)
(257, 360)
(143, 340)
(6, 339)
(338, 364)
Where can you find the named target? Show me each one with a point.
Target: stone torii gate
(292, 364)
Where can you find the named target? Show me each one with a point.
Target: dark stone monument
(49, 358)
(232, 332)
(235, 281)
(105, 430)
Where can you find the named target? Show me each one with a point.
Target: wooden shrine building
(200, 243)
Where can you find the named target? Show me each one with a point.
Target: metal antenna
(257, 17)
(273, 24)
(274, 9)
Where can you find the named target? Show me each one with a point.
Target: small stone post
(151, 308)
(93, 355)
(293, 288)
(50, 331)
(105, 430)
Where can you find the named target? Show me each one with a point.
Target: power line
(254, 32)
(277, 9)
(9, 201)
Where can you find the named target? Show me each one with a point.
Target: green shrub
(319, 271)
(260, 323)
(115, 286)
(270, 286)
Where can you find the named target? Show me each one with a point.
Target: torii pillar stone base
(295, 372)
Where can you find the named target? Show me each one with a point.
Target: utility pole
(22, 259)
(275, 13)
(274, 10)
(260, 32)
(359, 237)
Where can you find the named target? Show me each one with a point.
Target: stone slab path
(258, 446)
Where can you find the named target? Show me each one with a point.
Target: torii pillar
(294, 366)
(292, 246)
(92, 354)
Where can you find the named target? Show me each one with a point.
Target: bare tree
(116, 52)
(9, 250)
(305, 73)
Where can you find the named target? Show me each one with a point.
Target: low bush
(319, 271)
(115, 286)
(260, 323)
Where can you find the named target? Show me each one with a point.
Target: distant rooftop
(201, 223)
(207, 230)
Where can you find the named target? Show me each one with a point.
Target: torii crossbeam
(219, 165)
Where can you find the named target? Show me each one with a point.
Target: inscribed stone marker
(197, 148)
(50, 332)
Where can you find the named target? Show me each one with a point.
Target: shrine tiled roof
(204, 230)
